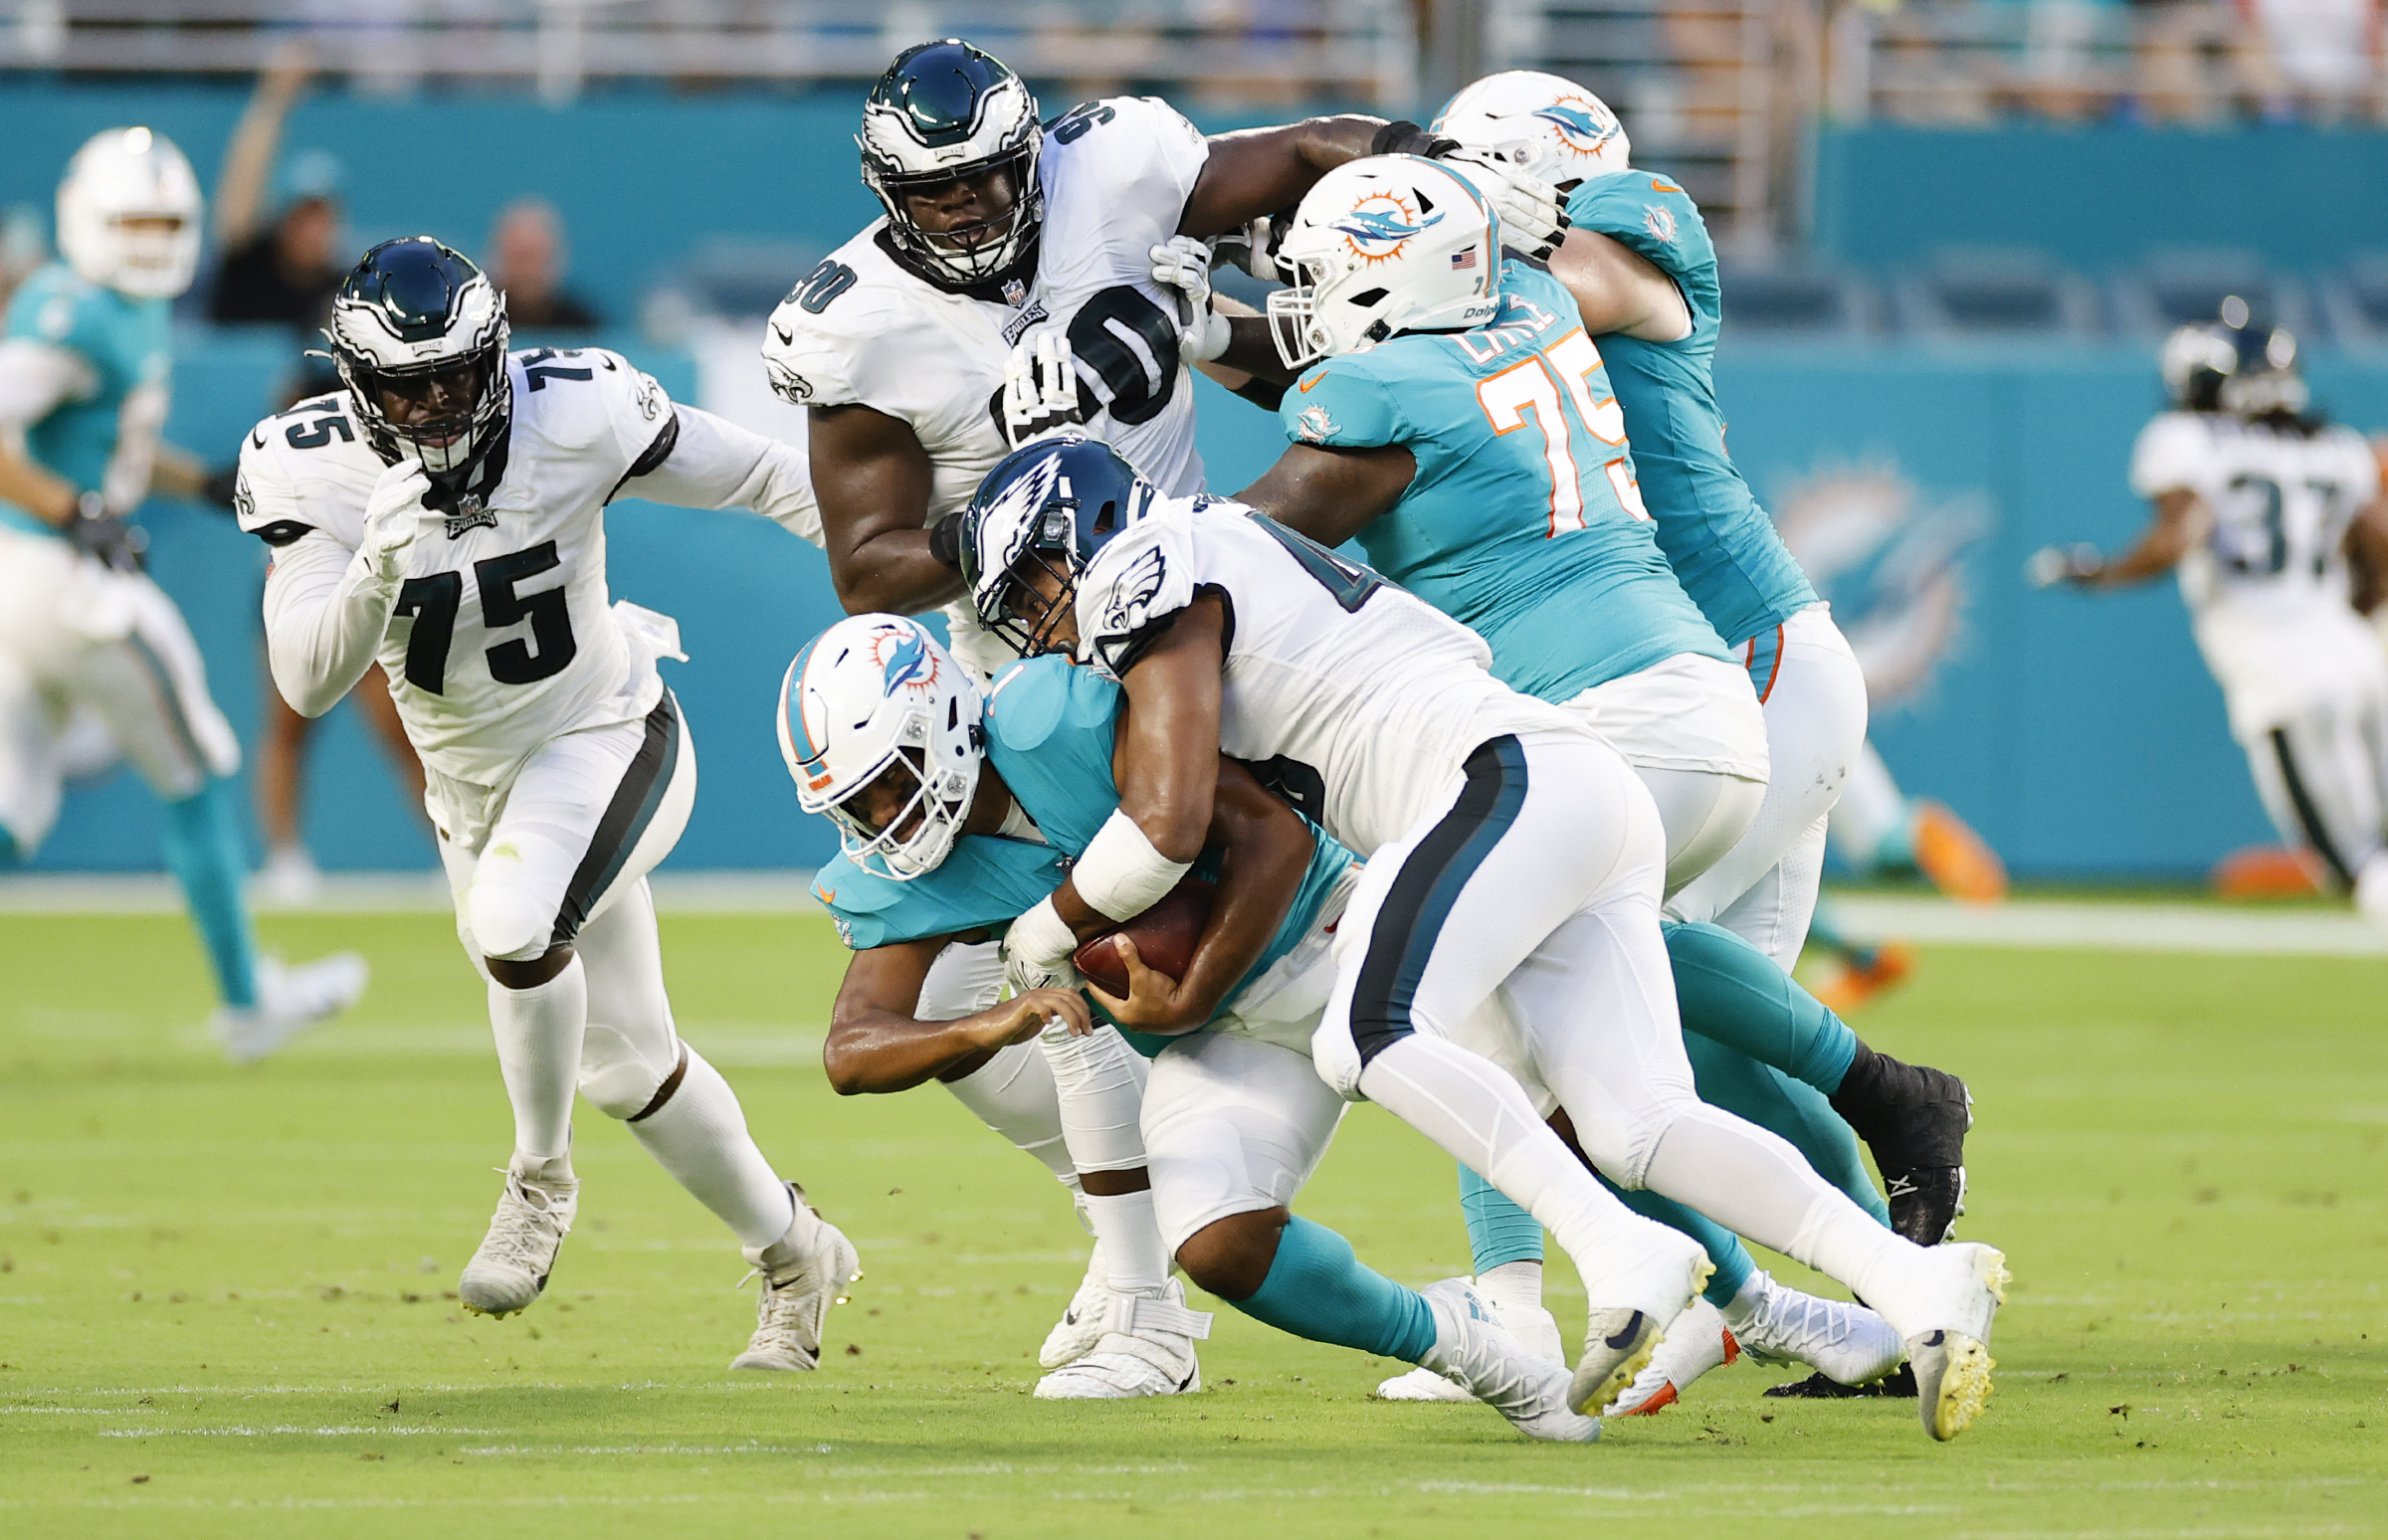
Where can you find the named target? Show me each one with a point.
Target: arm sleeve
(1340, 404)
(326, 611)
(713, 463)
(34, 378)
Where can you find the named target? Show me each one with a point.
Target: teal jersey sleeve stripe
(1716, 535)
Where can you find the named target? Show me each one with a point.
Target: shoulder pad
(1033, 699)
(1144, 576)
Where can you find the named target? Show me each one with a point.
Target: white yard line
(389, 892)
(2121, 928)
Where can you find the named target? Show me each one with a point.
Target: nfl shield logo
(1015, 293)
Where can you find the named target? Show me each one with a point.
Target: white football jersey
(1355, 698)
(503, 636)
(863, 329)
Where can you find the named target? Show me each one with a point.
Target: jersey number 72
(1535, 385)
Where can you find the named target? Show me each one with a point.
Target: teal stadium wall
(2084, 737)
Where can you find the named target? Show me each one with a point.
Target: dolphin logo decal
(1576, 122)
(1380, 226)
(907, 663)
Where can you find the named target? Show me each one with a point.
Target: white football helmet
(944, 112)
(874, 695)
(1543, 124)
(1383, 246)
(118, 177)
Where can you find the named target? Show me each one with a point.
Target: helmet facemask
(440, 413)
(419, 335)
(981, 250)
(945, 114)
(924, 817)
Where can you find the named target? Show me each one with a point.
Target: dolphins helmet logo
(1380, 225)
(904, 659)
(1584, 124)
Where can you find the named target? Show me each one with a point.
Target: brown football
(1165, 936)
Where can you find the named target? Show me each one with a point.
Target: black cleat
(1925, 1203)
(1898, 1383)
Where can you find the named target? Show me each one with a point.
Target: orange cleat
(1956, 859)
(2267, 872)
(1868, 973)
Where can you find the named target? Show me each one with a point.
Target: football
(1165, 936)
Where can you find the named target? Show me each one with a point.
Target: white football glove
(1183, 264)
(1040, 387)
(394, 516)
(2052, 564)
(1037, 950)
(1534, 218)
(1253, 246)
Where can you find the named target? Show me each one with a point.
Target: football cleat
(1913, 1119)
(1421, 1385)
(1925, 1203)
(804, 1272)
(1147, 1349)
(289, 1001)
(534, 1216)
(1867, 972)
(1628, 1311)
(1081, 1325)
(1958, 861)
(1846, 1342)
(1697, 1341)
(1945, 1305)
(1897, 1385)
(1472, 1350)
(2267, 871)
(1530, 1324)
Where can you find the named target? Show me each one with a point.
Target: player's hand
(1025, 1015)
(106, 537)
(1253, 246)
(394, 516)
(1024, 976)
(1534, 218)
(1040, 387)
(1151, 999)
(1183, 264)
(2053, 564)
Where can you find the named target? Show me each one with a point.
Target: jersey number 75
(1535, 385)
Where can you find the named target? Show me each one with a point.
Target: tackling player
(1508, 848)
(85, 375)
(442, 514)
(2257, 503)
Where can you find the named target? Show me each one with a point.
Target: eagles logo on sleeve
(1129, 608)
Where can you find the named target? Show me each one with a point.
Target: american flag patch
(1466, 259)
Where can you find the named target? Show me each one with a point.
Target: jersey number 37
(1568, 368)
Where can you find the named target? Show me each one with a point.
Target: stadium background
(2083, 737)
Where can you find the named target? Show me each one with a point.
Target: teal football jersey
(125, 344)
(984, 883)
(1523, 520)
(1718, 538)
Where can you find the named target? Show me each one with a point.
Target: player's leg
(31, 784)
(1694, 732)
(1596, 1003)
(2319, 780)
(1439, 919)
(151, 687)
(1234, 1128)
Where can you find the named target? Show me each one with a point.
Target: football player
(2255, 502)
(85, 376)
(1507, 849)
(442, 514)
(1007, 240)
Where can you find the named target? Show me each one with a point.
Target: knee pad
(505, 923)
(619, 1079)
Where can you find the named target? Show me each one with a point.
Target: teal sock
(203, 851)
(1729, 991)
(8, 849)
(1764, 1095)
(1499, 1230)
(1316, 1288)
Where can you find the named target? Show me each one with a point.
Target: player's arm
(876, 1045)
(2367, 548)
(1619, 291)
(1331, 494)
(1254, 172)
(1268, 846)
(699, 461)
(2179, 516)
(327, 604)
(34, 378)
(872, 479)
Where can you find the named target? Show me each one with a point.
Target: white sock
(1478, 1113)
(1013, 1093)
(1514, 1286)
(538, 1033)
(1131, 1242)
(1756, 1185)
(700, 1135)
(1098, 1082)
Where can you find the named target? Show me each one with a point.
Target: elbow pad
(1121, 875)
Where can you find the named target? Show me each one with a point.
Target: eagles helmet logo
(1380, 225)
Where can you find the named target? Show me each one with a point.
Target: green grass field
(224, 1309)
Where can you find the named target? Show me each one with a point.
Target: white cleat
(1695, 1342)
(1847, 1343)
(1147, 1349)
(804, 1272)
(1530, 1324)
(1081, 1327)
(1628, 1312)
(1421, 1385)
(288, 879)
(289, 1001)
(534, 1216)
(1472, 1349)
(1945, 1310)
